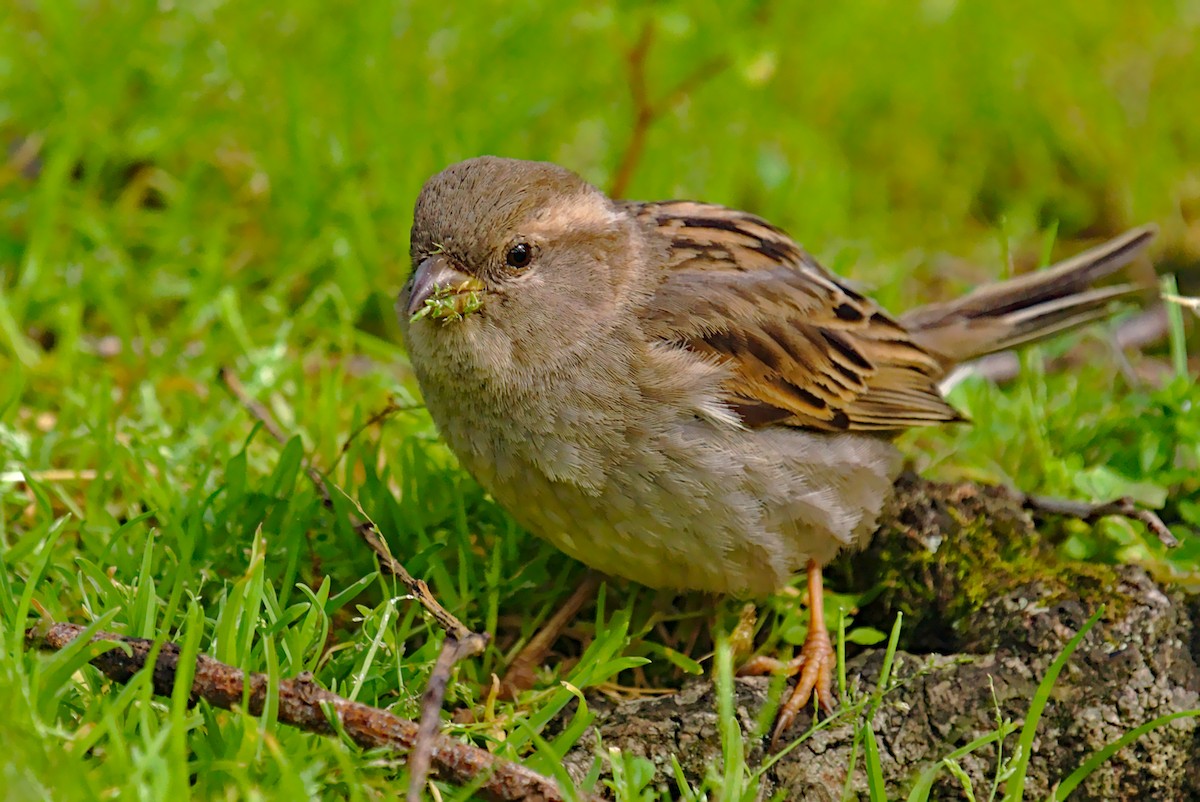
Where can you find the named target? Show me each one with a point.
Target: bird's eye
(519, 255)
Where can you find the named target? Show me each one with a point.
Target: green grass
(207, 184)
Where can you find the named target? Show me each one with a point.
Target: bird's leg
(814, 664)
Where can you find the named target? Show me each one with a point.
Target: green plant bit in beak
(450, 303)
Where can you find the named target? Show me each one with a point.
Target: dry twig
(365, 528)
(520, 673)
(304, 704)
(1090, 513)
(647, 111)
(389, 409)
(460, 641)
(422, 755)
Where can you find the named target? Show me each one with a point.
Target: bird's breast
(644, 476)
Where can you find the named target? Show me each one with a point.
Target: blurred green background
(191, 185)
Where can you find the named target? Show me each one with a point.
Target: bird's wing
(804, 349)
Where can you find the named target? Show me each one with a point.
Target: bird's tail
(1021, 310)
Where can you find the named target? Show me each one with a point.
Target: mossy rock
(943, 552)
(989, 606)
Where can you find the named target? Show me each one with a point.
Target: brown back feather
(804, 349)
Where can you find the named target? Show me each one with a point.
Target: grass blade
(924, 784)
(1175, 329)
(876, 786)
(1015, 789)
(1064, 788)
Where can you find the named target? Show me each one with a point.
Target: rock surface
(975, 581)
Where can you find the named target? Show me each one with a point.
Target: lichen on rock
(988, 606)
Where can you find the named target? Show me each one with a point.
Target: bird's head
(511, 254)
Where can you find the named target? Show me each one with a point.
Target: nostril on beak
(437, 276)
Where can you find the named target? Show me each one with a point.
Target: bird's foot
(814, 664)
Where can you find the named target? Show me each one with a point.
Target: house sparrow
(678, 394)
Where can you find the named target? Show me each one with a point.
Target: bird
(677, 393)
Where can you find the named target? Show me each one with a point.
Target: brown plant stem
(520, 673)
(305, 705)
(1091, 513)
(646, 111)
(365, 528)
(460, 642)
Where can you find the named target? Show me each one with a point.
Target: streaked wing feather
(803, 348)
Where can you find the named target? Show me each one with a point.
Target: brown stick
(643, 114)
(520, 673)
(421, 757)
(646, 111)
(1090, 513)
(303, 704)
(460, 642)
(365, 528)
(389, 409)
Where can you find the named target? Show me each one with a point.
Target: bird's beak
(442, 291)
